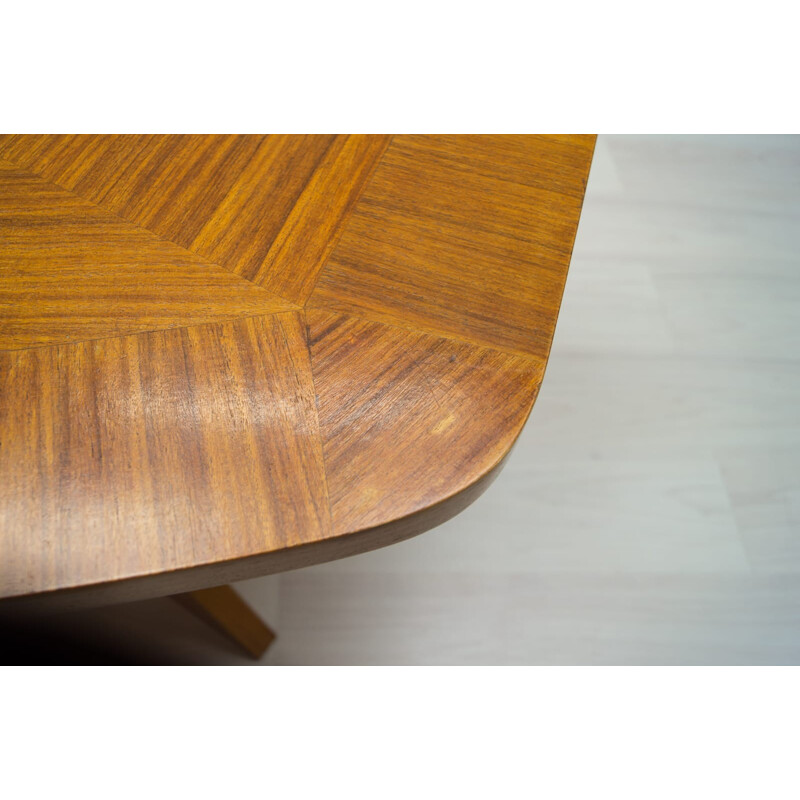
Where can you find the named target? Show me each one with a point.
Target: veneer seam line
(320, 440)
(429, 332)
(192, 326)
(345, 221)
(137, 226)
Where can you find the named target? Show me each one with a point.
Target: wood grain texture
(167, 460)
(157, 451)
(409, 403)
(460, 239)
(71, 271)
(265, 207)
(311, 230)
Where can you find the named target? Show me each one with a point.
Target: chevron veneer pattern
(222, 356)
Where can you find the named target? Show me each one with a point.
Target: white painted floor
(650, 513)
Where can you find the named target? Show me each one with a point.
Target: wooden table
(228, 356)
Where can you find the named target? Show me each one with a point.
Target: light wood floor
(650, 512)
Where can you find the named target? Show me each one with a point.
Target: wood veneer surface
(227, 355)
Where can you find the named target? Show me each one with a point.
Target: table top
(225, 356)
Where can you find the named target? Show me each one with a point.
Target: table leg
(223, 608)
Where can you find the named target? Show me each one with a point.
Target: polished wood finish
(268, 208)
(459, 237)
(404, 388)
(158, 451)
(72, 271)
(224, 609)
(226, 356)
